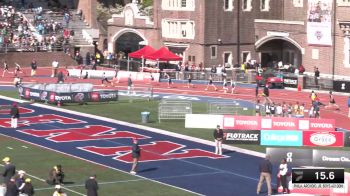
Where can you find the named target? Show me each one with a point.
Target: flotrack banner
(277, 123)
(319, 22)
(242, 137)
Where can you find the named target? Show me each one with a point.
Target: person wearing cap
(9, 170)
(14, 112)
(218, 137)
(28, 188)
(59, 191)
(91, 186)
(11, 188)
(136, 153)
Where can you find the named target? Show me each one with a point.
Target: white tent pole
(128, 63)
(142, 61)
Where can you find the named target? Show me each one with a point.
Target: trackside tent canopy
(139, 54)
(163, 54)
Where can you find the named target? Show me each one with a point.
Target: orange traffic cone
(299, 88)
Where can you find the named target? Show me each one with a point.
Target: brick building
(287, 38)
(199, 30)
(232, 31)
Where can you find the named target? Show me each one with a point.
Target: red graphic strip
(93, 132)
(156, 151)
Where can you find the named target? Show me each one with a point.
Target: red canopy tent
(163, 54)
(139, 54)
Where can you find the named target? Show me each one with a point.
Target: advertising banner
(241, 122)
(319, 22)
(68, 97)
(279, 123)
(331, 158)
(281, 138)
(295, 157)
(231, 122)
(341, 86)
(347, 138)
(290, 81)
(203, 121)
(316, 124)
(329, 139)
(242, 137)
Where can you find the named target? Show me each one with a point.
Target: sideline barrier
(122, 75)
(231, 122)
(277, 123)
(65, 93)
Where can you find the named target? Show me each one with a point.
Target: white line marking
(8, 147)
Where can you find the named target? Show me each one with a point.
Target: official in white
(282, 174)
(14, 115)
(219, 137)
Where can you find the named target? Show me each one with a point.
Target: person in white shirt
(282, 174)
(279, 110)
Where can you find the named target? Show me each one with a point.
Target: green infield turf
(37, 162)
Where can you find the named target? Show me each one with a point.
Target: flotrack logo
(323, 139)
(242, 136)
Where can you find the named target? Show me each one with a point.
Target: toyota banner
(231, 122)
(67, 97)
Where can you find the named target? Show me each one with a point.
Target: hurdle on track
(174, 109)
(224, 107)
(138, 93)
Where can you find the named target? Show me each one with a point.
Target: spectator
(60, 77)
(9, 170)
(258, 108)
(218, 137)
(28, 188)
(20, 181)
(11, 188)
(317, 76)
(88, 58)
(301, 69)
(54, 68)
(130, 85)
(279, 110)
(56, 175)
(282, 174)
(302, 109)
(34, 67)
(91, 186)
(86, 76)
(104, 79)
(267, 109)
(265, 169)
(59, 191)
(14, 115)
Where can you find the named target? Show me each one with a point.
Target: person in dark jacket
(28, 187)
(11, 188)
(266, 94)
(218, 137)
(56, 175)
(60, 77)
(91, 186)
(14, 115)
(34, 66)
(136, 153)
(9, 170)
(265, 169)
